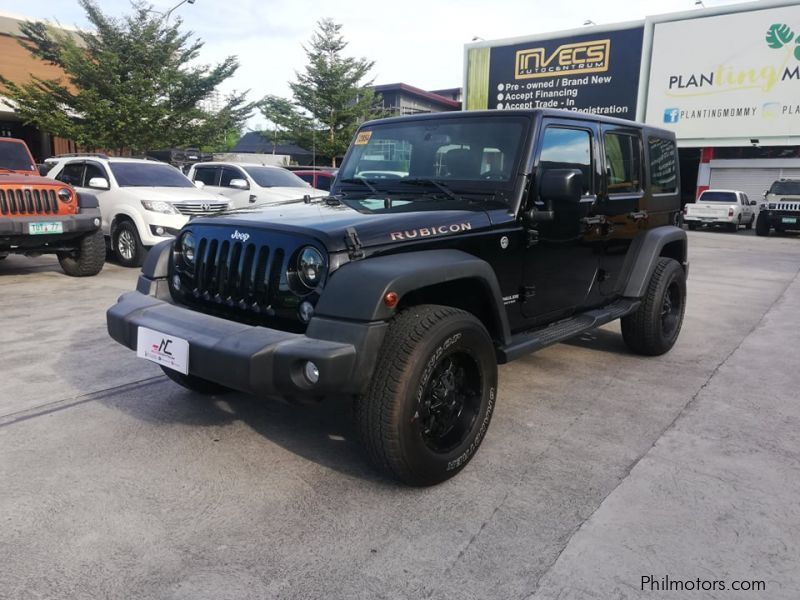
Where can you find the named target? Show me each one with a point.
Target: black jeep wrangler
(450, 243)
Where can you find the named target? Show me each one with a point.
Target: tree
(330, 98)
(128, 84)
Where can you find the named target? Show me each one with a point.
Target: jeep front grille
(784, 205)
(237, 275)
(19, 201)
(200, 207)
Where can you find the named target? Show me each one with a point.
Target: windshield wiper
(442, 187)
(387, 201)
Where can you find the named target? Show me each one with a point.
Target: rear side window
(307, 177)
(623, 162)
(323, 182)
(208, 175)
(564, 148)
(663, 166)
(72, 174)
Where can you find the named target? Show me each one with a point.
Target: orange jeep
(44, 216)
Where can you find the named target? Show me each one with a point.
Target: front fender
(356, 290)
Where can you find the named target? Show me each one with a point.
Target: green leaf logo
(797, 48)
(778, 35)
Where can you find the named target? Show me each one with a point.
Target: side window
(745, 200)
(623, 162)
(208, 175)
(93, 170)
(323, 182)
(663, 166)
(229, 173)
(72, 174)
(564, 148)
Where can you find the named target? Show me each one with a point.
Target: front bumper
(787, 220)
(17, 226)
(256, 359)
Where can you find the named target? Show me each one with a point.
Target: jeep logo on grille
(240, 236)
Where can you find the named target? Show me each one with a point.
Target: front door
(561, 263)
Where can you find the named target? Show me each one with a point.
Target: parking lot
(600, 467)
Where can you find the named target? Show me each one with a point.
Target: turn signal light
(391, 299)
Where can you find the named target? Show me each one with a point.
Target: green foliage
(330, 99)
(128, 84)
(778, 35)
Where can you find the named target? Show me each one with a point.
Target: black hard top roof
(529, 113)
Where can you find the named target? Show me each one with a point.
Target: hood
(25, 178)
(172, 194)
(410, 221)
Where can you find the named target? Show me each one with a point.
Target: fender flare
(87, 200)
(644, 253)
(356, 290)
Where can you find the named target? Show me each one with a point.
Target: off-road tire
(124, 229)
(195, 383)
(762, 226)
(693, 226)
(649, 331)
(392, 417)
(87, 259)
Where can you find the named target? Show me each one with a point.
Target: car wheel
(762, 226)
(693, 225)
(127, 245)
(195, 383)
(87, 259)
(654, 327)
(734, 227)
(431, 397)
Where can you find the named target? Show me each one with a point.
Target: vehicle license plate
(166, 350)
(789, 220)
(45, 228)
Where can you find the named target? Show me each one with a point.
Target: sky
(418, 42)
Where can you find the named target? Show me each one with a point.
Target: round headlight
(309, 266)
(64, 194)
(187, 247)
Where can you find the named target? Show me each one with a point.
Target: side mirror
(764, 195)
(753, 202)
(239, 184)
(561, 186)
(199, 184)
(99, 183)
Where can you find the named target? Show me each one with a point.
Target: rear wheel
(127, 245)
(762, 226)
(693, 225)
(195, 383)
(734, 227)
(431, 397)
(87, 259)
(654, 327)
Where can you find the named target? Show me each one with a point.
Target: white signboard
(727, 76)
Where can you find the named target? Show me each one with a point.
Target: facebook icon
(672, 115)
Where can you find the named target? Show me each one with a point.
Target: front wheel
(762, 226)
(87, 259)
(654, 327)
(431, 397)
(127, 245)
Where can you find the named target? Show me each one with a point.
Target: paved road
(599, 466)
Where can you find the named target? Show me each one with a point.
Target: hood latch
(353, 243)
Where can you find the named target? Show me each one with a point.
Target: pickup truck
(728, 208)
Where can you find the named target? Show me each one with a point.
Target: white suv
(247, 183)
(142, 202)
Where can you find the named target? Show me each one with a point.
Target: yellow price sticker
(363, 138)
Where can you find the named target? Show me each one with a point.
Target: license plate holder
(163, 349)
(45, 228)
(791, 220)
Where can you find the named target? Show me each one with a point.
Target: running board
(530, 341)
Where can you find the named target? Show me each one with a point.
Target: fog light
(176, 282)
(159, 231)
(97, 222)
(311, 372)
(306, 311)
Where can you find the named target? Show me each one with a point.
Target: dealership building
(726, 80)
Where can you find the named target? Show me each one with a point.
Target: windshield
(465, 154)
(728, 197)
(786, 188)
(14, 156)
(266, 177)
(148, 174)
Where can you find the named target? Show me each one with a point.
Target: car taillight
(730, 212)
(686, 210)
